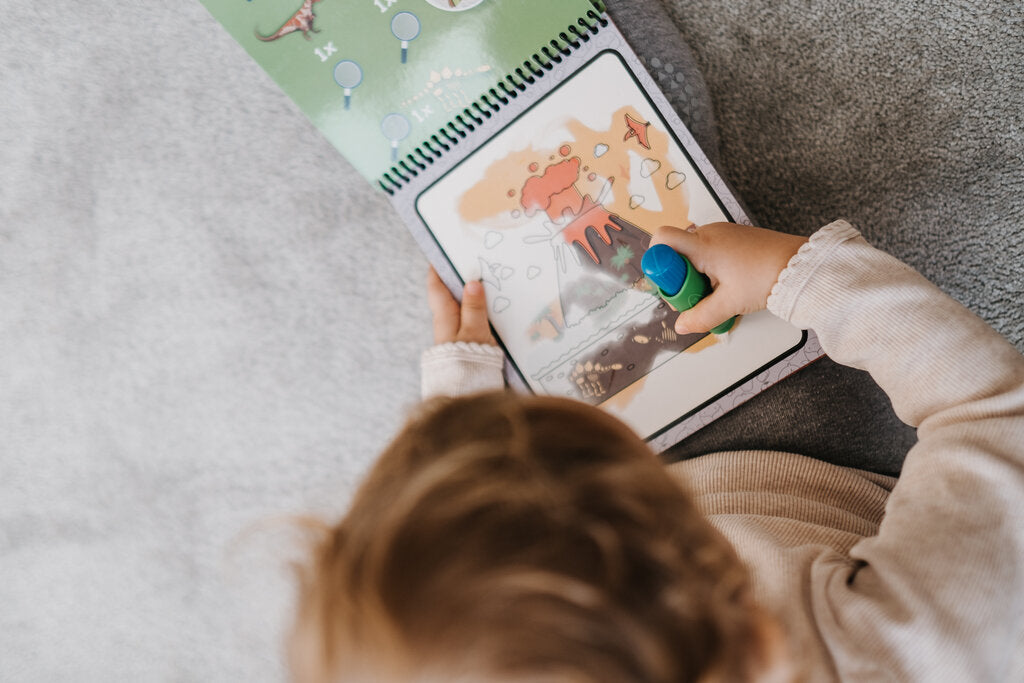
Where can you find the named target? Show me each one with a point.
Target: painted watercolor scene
(554, 214)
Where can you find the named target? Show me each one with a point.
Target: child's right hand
(742, 262)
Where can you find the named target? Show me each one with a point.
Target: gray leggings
(826, 411)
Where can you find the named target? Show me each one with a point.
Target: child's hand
(742, 262)
(452, 322)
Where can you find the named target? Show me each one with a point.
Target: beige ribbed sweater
(874, 579)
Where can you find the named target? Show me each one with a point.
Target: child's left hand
(453, 322)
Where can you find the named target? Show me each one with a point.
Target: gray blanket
(209, 321)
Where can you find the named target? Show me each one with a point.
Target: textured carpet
(208, 320)
(906, 118)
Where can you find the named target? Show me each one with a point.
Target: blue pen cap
(665, 268)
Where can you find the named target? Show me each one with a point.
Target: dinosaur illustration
(637, 129)
(302, 20)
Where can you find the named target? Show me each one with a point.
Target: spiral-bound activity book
(524, 144)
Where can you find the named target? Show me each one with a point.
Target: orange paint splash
(481, 202)
(554, 192)
(615, 164)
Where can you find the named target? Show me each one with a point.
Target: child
(507, 538)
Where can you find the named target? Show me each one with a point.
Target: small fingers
(711, 311)
(444, 308)
(707, 246)
(685, 241)
(474, 326)
(674, 237)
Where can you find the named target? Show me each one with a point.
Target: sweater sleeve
(938, 594)
(460, 368)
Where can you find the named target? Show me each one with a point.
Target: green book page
(379, 77)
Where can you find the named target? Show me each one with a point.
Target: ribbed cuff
(459, 368)
(801, 268)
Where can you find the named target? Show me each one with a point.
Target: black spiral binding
(503, 92)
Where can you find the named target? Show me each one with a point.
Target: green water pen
(678, 282)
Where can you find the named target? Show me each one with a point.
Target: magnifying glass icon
(405, 26)
(348, 75)
(395, 128)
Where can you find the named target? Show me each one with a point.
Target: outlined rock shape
(674, 180)
(649, 167)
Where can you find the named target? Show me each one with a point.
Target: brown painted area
(621, 400)
(707, 341)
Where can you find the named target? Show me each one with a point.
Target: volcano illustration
(598, 260)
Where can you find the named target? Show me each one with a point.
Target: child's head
(506, 538)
